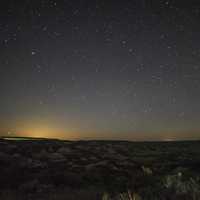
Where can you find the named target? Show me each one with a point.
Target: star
(33, 53)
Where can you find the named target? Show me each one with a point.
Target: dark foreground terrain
(104, 170)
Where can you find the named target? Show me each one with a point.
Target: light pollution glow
(45, 131)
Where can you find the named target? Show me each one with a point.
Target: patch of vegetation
(56, 169)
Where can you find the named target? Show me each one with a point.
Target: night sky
(100, 69)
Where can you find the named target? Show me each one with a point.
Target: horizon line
(97, 139)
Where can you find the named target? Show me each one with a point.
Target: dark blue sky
(100, 69)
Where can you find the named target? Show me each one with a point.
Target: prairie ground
(56, 169)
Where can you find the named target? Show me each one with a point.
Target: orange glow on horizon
(43, 132)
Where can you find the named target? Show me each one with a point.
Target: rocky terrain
(55, 169)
